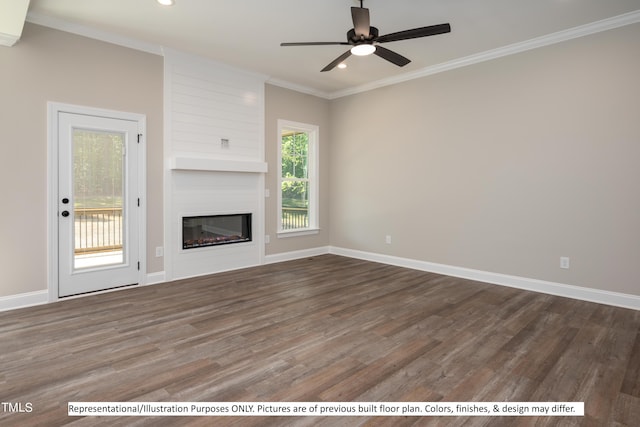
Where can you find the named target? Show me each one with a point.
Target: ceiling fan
(365, 39)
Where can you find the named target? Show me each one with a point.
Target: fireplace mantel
(217, 165)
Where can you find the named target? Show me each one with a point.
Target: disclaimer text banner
(324, 409)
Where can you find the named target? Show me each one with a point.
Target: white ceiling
(248, 33)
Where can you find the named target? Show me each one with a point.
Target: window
(298, 180)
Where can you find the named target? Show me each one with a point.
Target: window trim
(313, 176)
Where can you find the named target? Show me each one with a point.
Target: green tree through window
(297, 178)
(97, 167)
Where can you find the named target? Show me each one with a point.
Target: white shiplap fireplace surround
(214, 159)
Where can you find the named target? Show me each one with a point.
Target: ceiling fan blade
(361, 21)
(314, 44)
(391, 56)
(415, 33)
(336, 61)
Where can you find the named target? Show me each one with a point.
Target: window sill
(296, 233)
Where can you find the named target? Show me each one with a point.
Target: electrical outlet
(387, 239)
(564, 262)
(159, 251)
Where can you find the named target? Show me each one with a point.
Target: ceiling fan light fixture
(363, 49)
(364, 39)
(342, 65)
(166, 2)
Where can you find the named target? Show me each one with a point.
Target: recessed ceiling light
(166, 2)
(342, 65)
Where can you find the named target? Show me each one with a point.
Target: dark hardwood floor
(326, 328)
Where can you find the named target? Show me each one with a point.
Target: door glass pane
(98, 181)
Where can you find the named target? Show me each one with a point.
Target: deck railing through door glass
(98, 230)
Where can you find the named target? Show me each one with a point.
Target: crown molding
(93, 33)
(549, 39)
(299, 88)
(8, 39)
(85, 31)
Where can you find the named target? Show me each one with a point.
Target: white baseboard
(28, 299)
(12, 302)
(289, 256)
(155, 278)
(617, 299)
(560, 289)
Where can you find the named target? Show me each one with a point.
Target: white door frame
(53, 109)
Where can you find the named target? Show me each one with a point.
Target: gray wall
(294, 106)
(48, 65)
(502, 166)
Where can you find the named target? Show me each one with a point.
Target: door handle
(65, 200)
(65, 213)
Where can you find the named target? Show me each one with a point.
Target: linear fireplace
(212, 230)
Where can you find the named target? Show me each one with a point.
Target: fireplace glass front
(212, 230)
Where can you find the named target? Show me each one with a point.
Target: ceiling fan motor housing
(352, 38)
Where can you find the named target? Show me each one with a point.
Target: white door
(98, 203)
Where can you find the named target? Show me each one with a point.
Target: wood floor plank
(626, 410)
(323, 328)
(631, 384)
